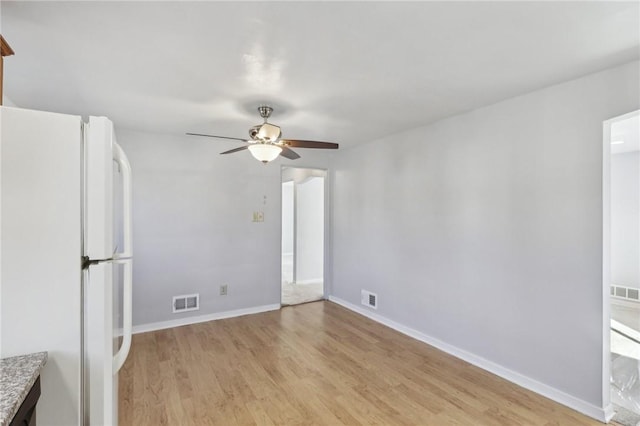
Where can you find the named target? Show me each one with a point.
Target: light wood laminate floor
(314, 364)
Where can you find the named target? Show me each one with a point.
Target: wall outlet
(223, 290)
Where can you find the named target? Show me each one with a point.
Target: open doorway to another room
(622, 262)
(303, 229)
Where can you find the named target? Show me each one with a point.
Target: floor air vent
(186, 302)
(369, 299)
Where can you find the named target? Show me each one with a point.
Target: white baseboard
(598, 413)
(627, 303)
(608, 413)
(311, 281)
(161, 325)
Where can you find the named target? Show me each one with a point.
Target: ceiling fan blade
(309, 144)
(231, 151)
(219, 137)
(289, 153)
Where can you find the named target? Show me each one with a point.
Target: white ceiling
(334, 71)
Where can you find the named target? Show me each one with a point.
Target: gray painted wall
(7, 102)
(484, 230)
(625, 219)
(193, 228)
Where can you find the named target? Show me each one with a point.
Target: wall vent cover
(186, 302)
(625, 293)
(369, 299)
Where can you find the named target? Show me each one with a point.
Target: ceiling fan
(265, 143)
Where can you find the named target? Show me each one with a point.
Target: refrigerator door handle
(121, 159)
(127, 316)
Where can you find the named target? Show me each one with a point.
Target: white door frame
(326, 269)
(606, 261)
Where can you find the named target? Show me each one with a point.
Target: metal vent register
(369, 299)
(186, 302)
(627, 293)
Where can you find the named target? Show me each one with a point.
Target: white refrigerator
(65, 259)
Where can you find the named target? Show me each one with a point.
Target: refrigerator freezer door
(99, 210)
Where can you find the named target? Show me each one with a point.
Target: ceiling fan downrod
(265, 111)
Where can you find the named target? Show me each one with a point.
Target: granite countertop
(17, 376)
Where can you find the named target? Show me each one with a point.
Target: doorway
(621, 265)
(303, 230)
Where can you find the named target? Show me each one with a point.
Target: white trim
(327, 253)
(600, 414)
(609, 412)
(161, 325)
(606, 261)
(626, 303)
(631, 332)
(327, 271)
(311, 281)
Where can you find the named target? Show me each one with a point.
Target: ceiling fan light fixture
(265, 144)
(265, 152)
(269, 132)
